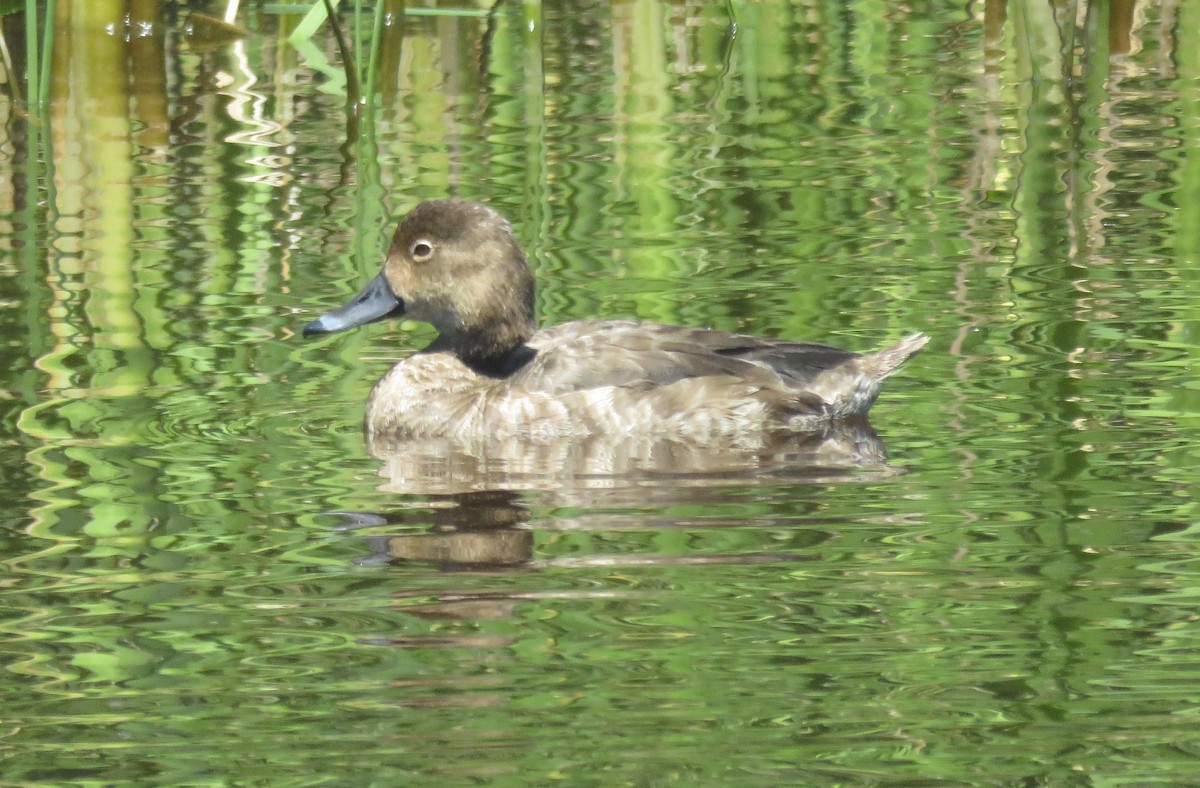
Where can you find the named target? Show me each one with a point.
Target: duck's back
(588, 354)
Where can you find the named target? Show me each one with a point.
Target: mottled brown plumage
(491, 373)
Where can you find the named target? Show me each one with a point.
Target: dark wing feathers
(797, 362)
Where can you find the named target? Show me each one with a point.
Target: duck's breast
(431, 395)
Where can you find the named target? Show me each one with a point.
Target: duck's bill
(375, 302)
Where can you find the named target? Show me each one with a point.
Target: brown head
(455, 265)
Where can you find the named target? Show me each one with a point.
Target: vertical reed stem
(47, 50)
(32, 61)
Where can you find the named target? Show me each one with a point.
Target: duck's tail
(850, 388)
(885, 362)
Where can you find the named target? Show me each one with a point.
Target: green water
(207, 579)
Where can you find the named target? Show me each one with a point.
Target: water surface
(207, 578)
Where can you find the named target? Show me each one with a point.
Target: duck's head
(455, 265)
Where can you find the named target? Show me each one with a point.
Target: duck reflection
(474, 500)
(472, 530)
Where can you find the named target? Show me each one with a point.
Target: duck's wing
(593, 353)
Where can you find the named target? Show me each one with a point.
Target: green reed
(352, 55)
(38, 52)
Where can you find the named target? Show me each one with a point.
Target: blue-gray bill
(374, 302)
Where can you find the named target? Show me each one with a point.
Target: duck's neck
(496, 355)
(500, 366)
(496, 349)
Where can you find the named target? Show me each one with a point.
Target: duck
(492, 373)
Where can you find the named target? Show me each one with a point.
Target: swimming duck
(492, 373)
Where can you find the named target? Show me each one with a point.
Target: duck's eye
(422, 251)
